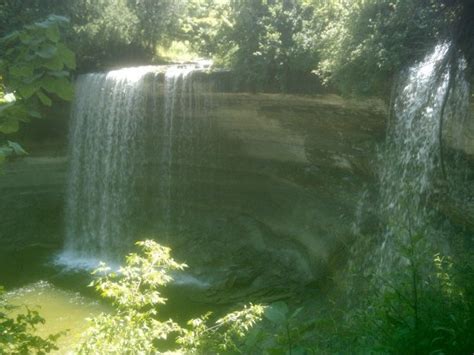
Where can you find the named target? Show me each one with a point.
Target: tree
(157, 19)
(363, 44)
(266, 43)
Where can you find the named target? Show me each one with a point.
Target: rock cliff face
(278, 197)
(457, 202)
(273, 201)
(267, 198)
(32, 192)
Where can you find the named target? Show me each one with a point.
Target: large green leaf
(47, 51)
(16, 148)
(67, 56)
(25, 37)
(53, 34)
(31, 79)
(56, 63)
(277, 312)
(9, 37)
(5, 106)
(27, 90)
(34, 113)
(45, 100)
(9, 125)
(59, 86)
(22, 70)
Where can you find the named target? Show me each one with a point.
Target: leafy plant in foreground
(285, 332)
(34, 69)
(134, 326)
(17, 333)
(421, 305)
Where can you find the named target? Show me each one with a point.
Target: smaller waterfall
(185, 138)
(178, 103)
(431, 97)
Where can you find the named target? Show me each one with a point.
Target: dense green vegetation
(353, 47)
(34, 70)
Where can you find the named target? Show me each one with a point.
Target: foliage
(134, 291)
(264, 42)
(17, 333)
(157, 20)
(34, 70)
(104, 33)
(284, 332)
(226, 335)
(364, 43)
(134, 326)
(357, 46)
(421, 304)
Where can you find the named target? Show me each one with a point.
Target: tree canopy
(354, 46)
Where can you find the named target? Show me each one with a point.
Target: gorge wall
(270, 192)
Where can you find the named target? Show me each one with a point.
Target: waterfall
(178, 103)
(431, 97)
(131, 129)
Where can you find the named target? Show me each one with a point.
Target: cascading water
(105, 156)
(178, 88)
(130, 133)
(431, 96)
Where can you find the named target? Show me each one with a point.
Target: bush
(134, 327)
(420, 304)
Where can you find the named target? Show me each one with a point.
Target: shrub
(134, 327)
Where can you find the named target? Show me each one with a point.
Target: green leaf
(277, 312)
(17, 149)
(59, 74)
(10, 37)
(28, 90)
(47, 52)
(296, 312)
(67, 56)
(10, 125)
(45, 100)
(25, 38)
(56, 63)
(52, 33)
(34, 113)
(5, 106)
(59, 86)
(22, 70)
(33, 78)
